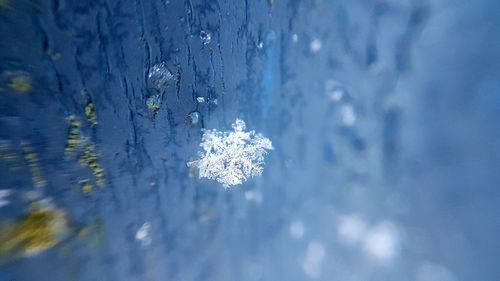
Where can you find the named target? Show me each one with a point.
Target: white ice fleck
(347, 115)
(295, 38)
(200, 99)
(231, 157)
(143, 234)
(315, 45)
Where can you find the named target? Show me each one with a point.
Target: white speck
(231, 157)
(382, 241)
(297, 229)
(215, 101)
(295, 38)
(351, 229)
(200, 99)
(260, 45)
(315, 45)
(347, 115)
(253, 195)
(143, 234)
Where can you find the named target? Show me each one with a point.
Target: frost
(232, 157)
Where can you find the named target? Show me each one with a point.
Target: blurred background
(383, 116)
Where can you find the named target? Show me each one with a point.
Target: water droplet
(295, 38)
(194, 117)
(206, 37)
(200, 99)
(159, 75)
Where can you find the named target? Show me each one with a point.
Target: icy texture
(159, 75)
(232, 157)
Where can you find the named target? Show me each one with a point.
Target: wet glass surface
(383, 117)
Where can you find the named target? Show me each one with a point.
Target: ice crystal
(159, 75)
(232, 157)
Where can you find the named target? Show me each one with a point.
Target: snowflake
(231, 157)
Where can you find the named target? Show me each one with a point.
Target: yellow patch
(90, 113)
(20, 83)
(86, 186)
